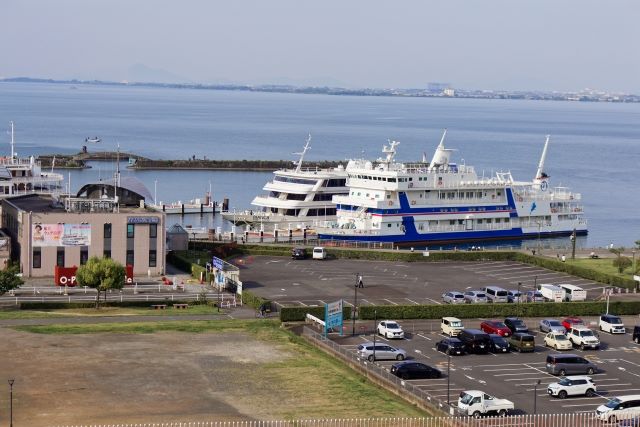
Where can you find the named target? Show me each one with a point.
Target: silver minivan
(569, 364)
(382, 351)
(496, 294)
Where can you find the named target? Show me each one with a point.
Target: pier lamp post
(355, 306)
(573, 244)
(11, 381)
(535, 285)
(519, 298)
(535, 396)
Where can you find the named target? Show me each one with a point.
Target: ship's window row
(295, 180)
(336, 182)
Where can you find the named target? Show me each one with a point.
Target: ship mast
(540, 174)
(306, 148)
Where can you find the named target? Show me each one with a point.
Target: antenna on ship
(540, 174)
(13, 154)
(306, 148)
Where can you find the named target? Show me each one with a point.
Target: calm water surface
(595, 147)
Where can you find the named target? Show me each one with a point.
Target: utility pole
(354, 311)
(573, 244)
(11, 402)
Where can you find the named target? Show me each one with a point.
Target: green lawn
(604, 265)
(107, 311)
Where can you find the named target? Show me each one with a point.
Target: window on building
(107, 231)
(131, 231)
(106, 253)
(84, 255)
(60, 257)
(152, 258)
(130, 257)
(153, 231)
(37, 258)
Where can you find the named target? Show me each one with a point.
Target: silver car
(552, 325)
(382, 351)
(533, 296)
(515, 296)
(453, 297)
(475, 297)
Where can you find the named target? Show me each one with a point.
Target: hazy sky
(483, 44)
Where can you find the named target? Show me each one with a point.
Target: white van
(496, 294)
(319, 253)
(451, 326)
(551, 292)
(573, 292)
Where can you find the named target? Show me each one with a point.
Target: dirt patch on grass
(115, 378)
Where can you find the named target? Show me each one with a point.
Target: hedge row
(255, 301)
(472, 311)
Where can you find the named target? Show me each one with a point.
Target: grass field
(602, 265)
(107, 311)
(302, 382)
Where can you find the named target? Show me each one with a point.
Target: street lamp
(375, 320)
(355, 306)
(535, 395)
(519, 298)
(573, 244)
(11, 402)
(448, 377)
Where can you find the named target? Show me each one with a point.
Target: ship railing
(7, 161)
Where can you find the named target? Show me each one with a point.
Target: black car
(409, 370)
(475, 341)
(450, 346)
(636, 334)
(298, 253)
(498, 344)
(516, 325)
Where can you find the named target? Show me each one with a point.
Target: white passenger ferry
(296, 198)
(442, 202)
(25, 175)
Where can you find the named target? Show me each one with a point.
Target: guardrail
(225, 300)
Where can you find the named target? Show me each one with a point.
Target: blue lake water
(595, 147)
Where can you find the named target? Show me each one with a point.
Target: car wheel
(556, 347)
(562, 394)
(637, 340)
(370, 358)
(477, 414)
(601, 328)
(399, 357)
(582, 347)
(502, 413)
(590, 393)
(591, 371)
(562, 372)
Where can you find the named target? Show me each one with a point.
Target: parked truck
(551, 292)
(477, 403)
(573, 292)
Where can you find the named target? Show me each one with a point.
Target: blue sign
(333, 316)
(217, 263)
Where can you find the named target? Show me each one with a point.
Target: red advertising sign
(66, 276)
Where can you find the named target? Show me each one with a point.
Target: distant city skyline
(498, 45)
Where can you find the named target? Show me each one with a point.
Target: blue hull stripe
(515, 233)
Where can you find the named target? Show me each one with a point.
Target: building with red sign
(103, 220)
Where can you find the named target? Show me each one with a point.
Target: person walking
(360, 281)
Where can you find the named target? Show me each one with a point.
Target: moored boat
(443, 202)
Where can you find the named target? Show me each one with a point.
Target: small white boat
(93, 139)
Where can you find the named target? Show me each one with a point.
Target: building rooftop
(40, 203)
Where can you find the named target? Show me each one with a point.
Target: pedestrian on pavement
(360, 282)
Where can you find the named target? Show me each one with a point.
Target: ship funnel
(441, 156)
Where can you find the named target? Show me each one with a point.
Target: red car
(495, 327)
(572, 322)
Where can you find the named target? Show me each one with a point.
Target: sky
(548, 45)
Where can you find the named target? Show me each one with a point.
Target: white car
(390, 329)
(612, 324)
(557, 341)
(572, 386)
(583, 337)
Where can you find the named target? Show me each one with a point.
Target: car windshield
(392, 325)
(560, 337)
(499, 325)
(554, 323)
(527, 338)
(615, 320)
(518, 322)
(576, 322)
(565, 381)
(466, 399)
(456, 324)
(586, 333)
(481, 296)
(498, 340)
(613, 403)
(458, 296)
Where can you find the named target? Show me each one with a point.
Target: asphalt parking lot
(513, 375)
(309, 282)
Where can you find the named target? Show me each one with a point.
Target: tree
(622, 263)
(9, 280)
(101, 274)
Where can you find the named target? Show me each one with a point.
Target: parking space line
(364, 300)
(410, 300)
(425, 337)
(433, 301)
(394, 303)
